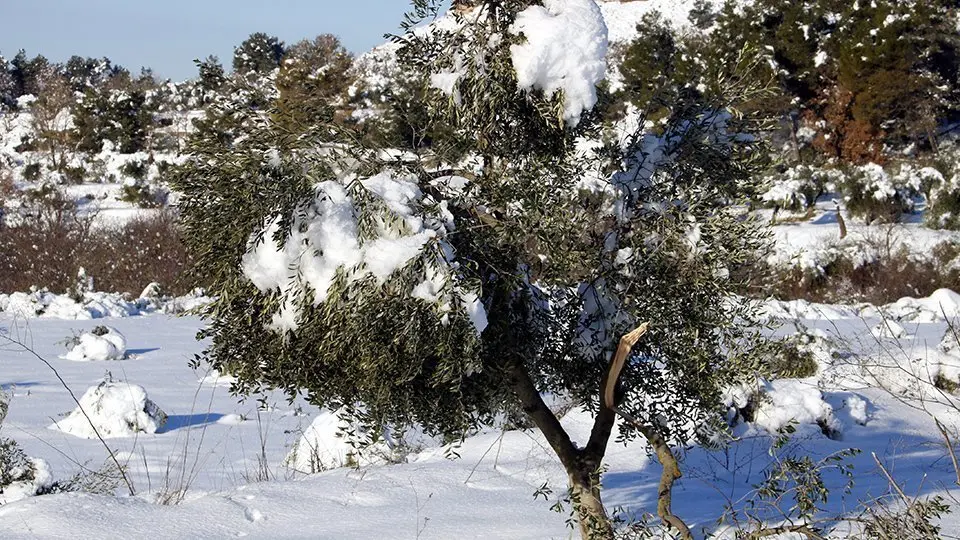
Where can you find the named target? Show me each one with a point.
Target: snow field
(242, 464)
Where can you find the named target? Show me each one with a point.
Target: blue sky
(168, 34)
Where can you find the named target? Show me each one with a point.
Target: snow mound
(215, 378)
(888, 329)
(790, 401)
(30, 477)
(95, 305)
(941, 302)
(100, 344)
(115, 410)
(857, 409)
(332, 442)
(565, 50)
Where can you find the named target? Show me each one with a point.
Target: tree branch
(668, 461)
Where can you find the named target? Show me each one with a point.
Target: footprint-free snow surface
(221, 460)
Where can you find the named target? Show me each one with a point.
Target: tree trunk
(580, 464)
(591, 515)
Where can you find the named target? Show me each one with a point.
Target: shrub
(136, 169)
(75, 174)
(791, 360)
(142, 195)
(861, 270)
(873, 195)
(31, 172)
(47, 249)
(798, 188)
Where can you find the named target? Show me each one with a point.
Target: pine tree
(258, 54)
(313, 80)
(871, 73)
(7, 86)
(211, 77)
(28, 74)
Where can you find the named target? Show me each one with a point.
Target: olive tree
(445, 285)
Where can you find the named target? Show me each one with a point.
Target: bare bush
(47, 248)
(892, 274)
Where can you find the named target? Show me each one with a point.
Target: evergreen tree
(7, 85)
(211, 77)
(259, 54)
(313, 81)
(870, 73)
(502, 262)
(29, 73)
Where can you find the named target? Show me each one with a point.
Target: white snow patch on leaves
(565, 50)
(325, 238)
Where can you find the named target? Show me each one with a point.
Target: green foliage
(76, 174)
(136, 169)
(313, 81)
(118, 113)
(945, 384)
(15, 466)
(258, 54)
(869, 73)
(561, 270)
(873, 196)
(791, 359)
(28, 74)
(31, 172)
(703, 14)
(650, 64)
(211, 77)
(799, 479)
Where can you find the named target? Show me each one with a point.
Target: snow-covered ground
(230, 455)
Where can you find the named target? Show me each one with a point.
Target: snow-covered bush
(777, 405)
(100, 344)
(332, 441)
(20, 475)
(793, 357)
(113, 409)
(872, 194)
(943, 204)
(798, 187)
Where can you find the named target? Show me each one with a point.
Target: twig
(953, 453)
(886, 473)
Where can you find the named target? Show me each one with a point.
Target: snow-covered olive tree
(503, 261)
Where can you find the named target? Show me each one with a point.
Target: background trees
(873, 73)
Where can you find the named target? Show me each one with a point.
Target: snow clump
(113, 409)
(100, 344)
(326, 239)
(332, 442)
(27, 476)
(565, 50)
(789, 401)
